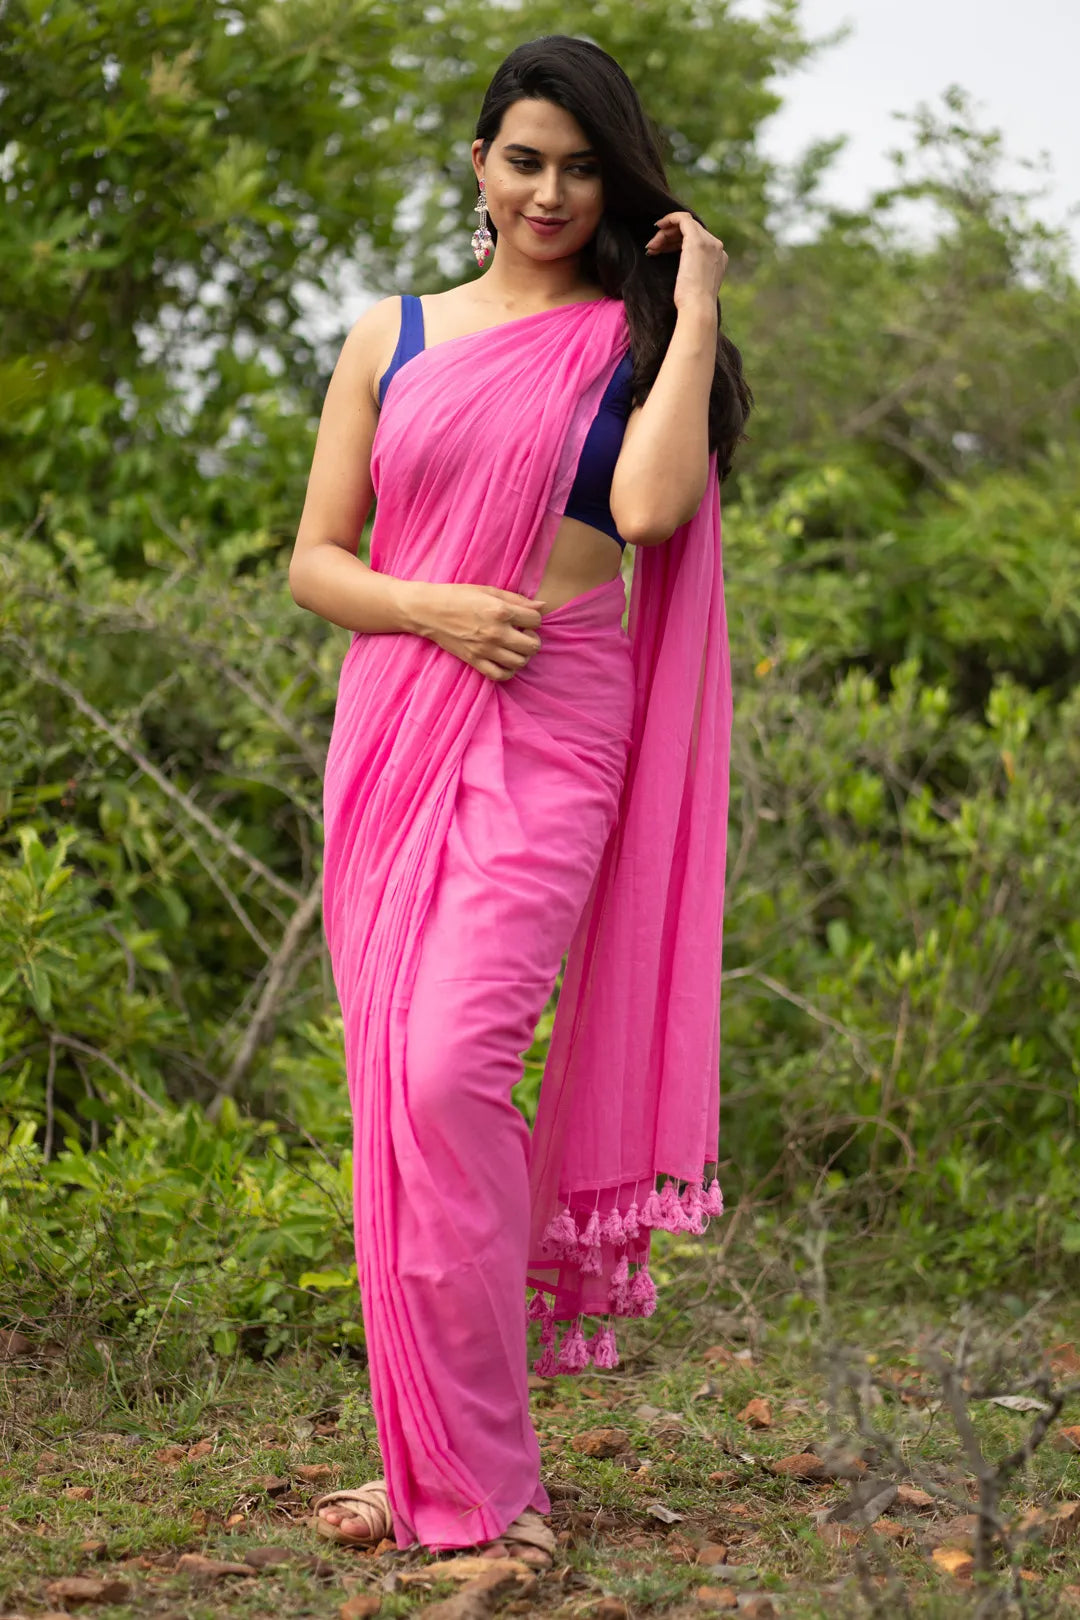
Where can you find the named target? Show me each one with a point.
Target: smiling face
(545, 195)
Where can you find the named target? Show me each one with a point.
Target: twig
(52, 677)
(276, 978)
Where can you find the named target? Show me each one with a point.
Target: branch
(276, 978)
(51, 677)
(110, 1063)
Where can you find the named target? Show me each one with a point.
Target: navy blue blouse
(590, 498)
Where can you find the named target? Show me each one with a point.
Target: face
(544, 190)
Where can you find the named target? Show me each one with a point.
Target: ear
(477, 159)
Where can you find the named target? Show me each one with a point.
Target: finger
(514, 596)
(506, 658)
(492, 671)
(522, 641)
(525, 618)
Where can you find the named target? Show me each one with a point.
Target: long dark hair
(590, 85)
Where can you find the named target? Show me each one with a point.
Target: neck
(519, 284)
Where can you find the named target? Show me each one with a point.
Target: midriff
(580, 558)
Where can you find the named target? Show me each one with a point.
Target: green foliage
(180, 1236)
(182, 188)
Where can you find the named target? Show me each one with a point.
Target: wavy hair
(590, 85)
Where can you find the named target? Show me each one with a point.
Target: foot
(358, 1517)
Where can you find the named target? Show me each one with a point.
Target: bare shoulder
(370, 343)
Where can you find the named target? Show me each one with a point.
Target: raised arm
(663, 466)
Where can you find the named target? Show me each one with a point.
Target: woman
(512, 774)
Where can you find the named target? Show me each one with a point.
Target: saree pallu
(474, 831)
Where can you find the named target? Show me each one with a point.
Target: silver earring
(482, 243)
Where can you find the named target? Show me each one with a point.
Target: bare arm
(491, 629)
(325, 573)
(663, 466)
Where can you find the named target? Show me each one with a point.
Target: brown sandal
(373, 1506)
(531, 1539)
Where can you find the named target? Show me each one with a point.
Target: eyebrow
(534, 151)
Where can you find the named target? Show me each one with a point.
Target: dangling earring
(482, 244)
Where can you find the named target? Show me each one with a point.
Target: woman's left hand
(703, 262)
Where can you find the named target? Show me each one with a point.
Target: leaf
(323, 1281)
(1019, 1403)
(210, 1569)
(757, 1414)
(75, 1589)
(953, 1560)
(666, 1515)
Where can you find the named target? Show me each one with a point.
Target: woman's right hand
(491, 629)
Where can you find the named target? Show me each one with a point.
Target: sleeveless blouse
(590, 498)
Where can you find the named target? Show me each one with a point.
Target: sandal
(531, 1539)
(372, 1506)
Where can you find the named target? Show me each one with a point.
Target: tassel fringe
(630, 1293)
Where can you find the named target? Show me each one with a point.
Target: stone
(600, 1442)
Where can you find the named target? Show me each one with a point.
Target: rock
(72, 1590)
(757, 1606)
(561, 1490)
(803, 1465)
(869, 1499)
(609, 1608)
(954, 1561)
(959, 1532)
(360, 1606)
(724, 1476)
(78, 1493)
(1067, 1439)
(315, 1473)
(14, 1344)
(93, 1549)
(600, 1442)
(47, 1461)
(717, 1597)
(909, 1496)
(712, 1553)
(201, 1448)
(171, 1455)
(209, 1569)
(271, 1484)
(901, 1535)
(757, 1414)
(267, 1557)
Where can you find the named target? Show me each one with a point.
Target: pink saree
(476, 831)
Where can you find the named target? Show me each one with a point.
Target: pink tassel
(652, 1214)
(620, 1288)
(591, 1262)
(544, 1366)
(605, 1353)
(674, 1214)
(631, 1223)
(642, 1297)
(573, 1352)
(713, 1202)
(561, 1236)
(548, 1330)
(612, 1231)
(693, 1203)
(590, 1238)
(539, 1310)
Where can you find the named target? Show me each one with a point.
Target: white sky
(1020, 63)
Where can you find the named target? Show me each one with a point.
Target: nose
(549, 189)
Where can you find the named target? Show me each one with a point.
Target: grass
(213, 1460)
